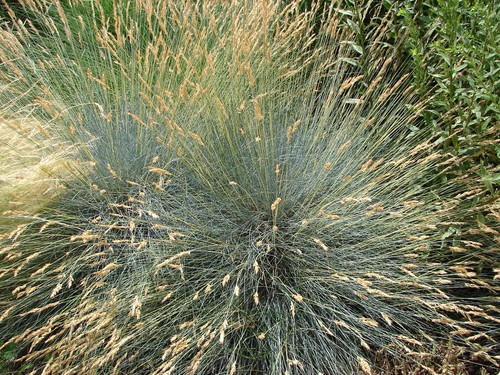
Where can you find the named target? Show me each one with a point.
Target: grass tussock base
(244, 197)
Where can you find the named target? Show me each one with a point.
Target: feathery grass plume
(238, 202)
(28, 172)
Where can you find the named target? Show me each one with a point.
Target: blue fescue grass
(236, 200)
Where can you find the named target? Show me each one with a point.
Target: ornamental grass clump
(240, 196)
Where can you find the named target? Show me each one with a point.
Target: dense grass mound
(243, 196)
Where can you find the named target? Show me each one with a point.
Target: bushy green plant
(238, 201)
(456, 47)
(453, 49)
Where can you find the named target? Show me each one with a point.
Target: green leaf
(494, 178)
(346, 12)
(350, 61)
(489, 179)
(357, 48)
(353, 26)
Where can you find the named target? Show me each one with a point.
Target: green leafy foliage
(455, 46)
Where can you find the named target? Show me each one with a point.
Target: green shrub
(238, 202)
(455, 45)
(453, 48)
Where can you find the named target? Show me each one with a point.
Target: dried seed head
(369, 322)
(135, 309)
(258, 111)
(225, 280)
(320, 243)
(275, 204)
(56, 290)
(256, 298)
(365, 366)
(256, 267)
(387, 318)
(232, 371)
